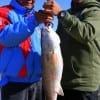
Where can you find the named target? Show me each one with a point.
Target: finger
(48, 4)
(48, 11)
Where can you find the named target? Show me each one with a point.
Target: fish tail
(60, 91)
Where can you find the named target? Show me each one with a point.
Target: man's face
(78, 1)
(28, 4)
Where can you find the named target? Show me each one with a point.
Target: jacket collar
(19, 7)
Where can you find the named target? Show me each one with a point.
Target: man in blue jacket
(20, 51)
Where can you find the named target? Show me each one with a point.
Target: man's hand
(52, 7)
(43, 17)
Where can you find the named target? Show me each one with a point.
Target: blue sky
(65, 4)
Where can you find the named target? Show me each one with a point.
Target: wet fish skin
(52, 63)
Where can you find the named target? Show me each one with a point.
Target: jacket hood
(84, 4)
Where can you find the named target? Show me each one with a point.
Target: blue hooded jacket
(20, 47)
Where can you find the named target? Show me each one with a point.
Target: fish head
(49, 39)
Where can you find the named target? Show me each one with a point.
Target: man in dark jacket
(20, 51)
(79, 30)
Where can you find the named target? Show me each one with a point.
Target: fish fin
(60, 91)
(55, 58)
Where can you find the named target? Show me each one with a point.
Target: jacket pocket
(75, 67)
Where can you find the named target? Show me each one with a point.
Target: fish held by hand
(52, 63)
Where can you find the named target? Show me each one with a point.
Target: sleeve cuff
(31, 22)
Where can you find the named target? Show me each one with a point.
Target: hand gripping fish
(52, 63)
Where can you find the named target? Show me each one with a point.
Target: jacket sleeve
(14, 33)
(85, 28)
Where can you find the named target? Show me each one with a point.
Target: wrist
(62, 14)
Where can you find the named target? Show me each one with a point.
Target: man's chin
(29, 6)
